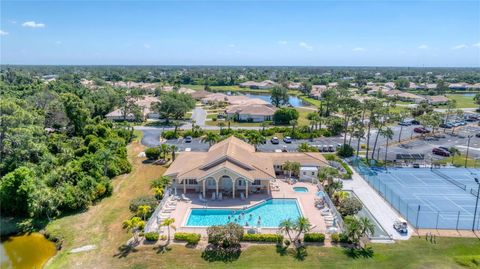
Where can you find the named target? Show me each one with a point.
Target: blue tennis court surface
(441, 198)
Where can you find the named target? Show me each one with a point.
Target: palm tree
(176, 124)
(210, 138)
(169, 223)
(173, 149)
(106, 155)
(264, 124)
(327, 174)
(339, 196)
(314, 118)
(293, 123)
(302, 225)
(304, 147)
(287, 226)
(158, 192)
(164, 149)
(143, 210)
(134, 225)
(356, 228)
(291, 167)
(255, 138)
(221, 124)
(193, 124)
(388, 134)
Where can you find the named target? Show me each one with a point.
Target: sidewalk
(379, 208)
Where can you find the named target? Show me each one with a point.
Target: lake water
(292, 99)
(25, 251)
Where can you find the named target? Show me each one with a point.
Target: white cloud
(147, 46)
(231, 45)
(3, 32)
(423, 47)
(305, 46)
(460, 46)
(358, 49)
(33, 24)
(476, 45)
(282, 42)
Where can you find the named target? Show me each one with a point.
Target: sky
(314, 33)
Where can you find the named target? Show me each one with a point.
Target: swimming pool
(270, 213)
(300, 189)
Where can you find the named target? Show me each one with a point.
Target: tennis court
(442, 198)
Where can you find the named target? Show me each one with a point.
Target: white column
(216, 186)
(204, 194)
(185, 186)
(268, 188)
(246, 188)
(233, 188)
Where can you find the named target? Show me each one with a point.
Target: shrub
(314, 237)
(190, 238)
(335, 238)
(345, 151)
(225, 236)
(344, 238)
(142, 200)
(350, 206)
(152, 153)
(263, 238)
(169, 134)
(330, 157)
(284, 115)
(151, 236)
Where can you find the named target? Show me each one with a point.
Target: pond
(295, 101)
(25, 251)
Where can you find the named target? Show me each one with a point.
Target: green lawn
(463, 101)
(459, 161)
(312, 101)
(234, 88)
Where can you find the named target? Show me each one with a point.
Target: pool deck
(380, 209)
(305, 200)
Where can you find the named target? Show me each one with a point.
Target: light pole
(476, 205)
(468, 147)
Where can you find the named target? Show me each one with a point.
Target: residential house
(145, 104)
(317, 90)
(437, 100)
(266, 84)
(251, 112)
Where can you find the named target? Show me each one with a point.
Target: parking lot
(411, 142)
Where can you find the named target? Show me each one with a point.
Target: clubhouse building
(233, 168)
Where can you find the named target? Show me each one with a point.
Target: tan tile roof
(261, 110)
(239, 157)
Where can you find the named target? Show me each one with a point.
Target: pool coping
(187, 216)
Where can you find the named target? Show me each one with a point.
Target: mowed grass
(463, 101)
(101, 224)
(415, 253)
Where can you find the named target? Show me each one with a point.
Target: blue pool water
(300, 189)
(271, 213)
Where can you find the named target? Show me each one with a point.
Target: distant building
(458, 86)
(317, 90)
(404, 96)
(145, 104)
(294, 85)
(266, 84)
(437, 100)
(390, 85)
(251, 112)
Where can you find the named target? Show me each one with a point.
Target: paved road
(199, 115)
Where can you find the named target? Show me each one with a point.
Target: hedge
(335, 238)
(151, 236)
(314, 237)
(262, 238)
(339, 238)
(190, 238)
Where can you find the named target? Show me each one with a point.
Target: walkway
(379, 208)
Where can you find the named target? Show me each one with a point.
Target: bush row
(190, 238)
(152, 236)
(262, 238)
(314, 237)
(339, 238)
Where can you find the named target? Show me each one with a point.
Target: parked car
(446, 125)
(287, 139)
(421, 130)
(415, 122)
(401, 226)
(331, 148)
(477, 135)
(441, 152)
(444, 148)
(188, 139)
(274, 140)
(405, 123)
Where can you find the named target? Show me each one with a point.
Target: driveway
(199, 115)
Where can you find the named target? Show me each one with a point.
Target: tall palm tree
(173, 149)
(221, 124)
(356, 228)
(293, 123)
(255, 139)
(176, 124)
(339, 196)
(388, 134)
(304, 147)
(287, 226)
(169, 224)
(164, 149)
(302, 225)
(210, 138)
(143, 210)
(134, 225)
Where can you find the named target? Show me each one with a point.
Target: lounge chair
(184, 198)
(200, 197)
(213, 196)
(220, 196)
(242, 197)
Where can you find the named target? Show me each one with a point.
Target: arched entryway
(227, 184)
